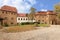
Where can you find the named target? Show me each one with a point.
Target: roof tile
(8, 8)
(22, 15)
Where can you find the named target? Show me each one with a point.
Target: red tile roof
(41, 12)
(45, 12)
(9, 8)
(51, 12)
(22, 15)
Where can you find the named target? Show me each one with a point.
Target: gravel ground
(48, 33)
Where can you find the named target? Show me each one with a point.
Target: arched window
(21, 18)
(18, 18)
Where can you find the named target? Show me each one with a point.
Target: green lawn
(43, 25)
(40, 25)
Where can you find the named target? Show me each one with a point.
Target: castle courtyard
(47, 33)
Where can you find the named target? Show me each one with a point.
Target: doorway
(1, 21)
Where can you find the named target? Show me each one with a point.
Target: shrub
(36, 25)
(26, 23)
(37, 22)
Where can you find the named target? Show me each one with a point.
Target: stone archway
(1, 21)
(54, 22)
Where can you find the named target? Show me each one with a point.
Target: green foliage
(43, 25)
(27, 23)
(57, 9)
(58, 15)
(32, 13)
(36, 25)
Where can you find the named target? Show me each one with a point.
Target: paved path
(49, 33)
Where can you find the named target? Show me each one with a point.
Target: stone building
(8, 15)
(46, 17)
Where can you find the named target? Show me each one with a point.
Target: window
(18, 18)
(6, 12)
(12, 18)
(24, 19)
(6, 18)
(2, 11)
(42, 20)
(14, 13)
(45, 22)
(11, 22)
(42, 16)
(38, 20)
(21, 18)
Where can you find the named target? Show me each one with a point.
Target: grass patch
(43, 25)
(25, 25)
(36, 25)
(19, 28)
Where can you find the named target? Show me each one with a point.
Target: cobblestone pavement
(48, 33)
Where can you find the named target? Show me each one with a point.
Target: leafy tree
(57, 10)
(31, 14)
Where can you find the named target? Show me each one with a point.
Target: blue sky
(23, 6)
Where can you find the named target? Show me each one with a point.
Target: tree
(57, 10)
(32, 14)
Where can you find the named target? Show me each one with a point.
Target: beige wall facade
(9, 17)
(46, 17)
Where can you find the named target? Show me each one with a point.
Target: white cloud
(32, 1)
(5, 2)
(43, 10)
(21, 5)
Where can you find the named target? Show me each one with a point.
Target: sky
(23, 6)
